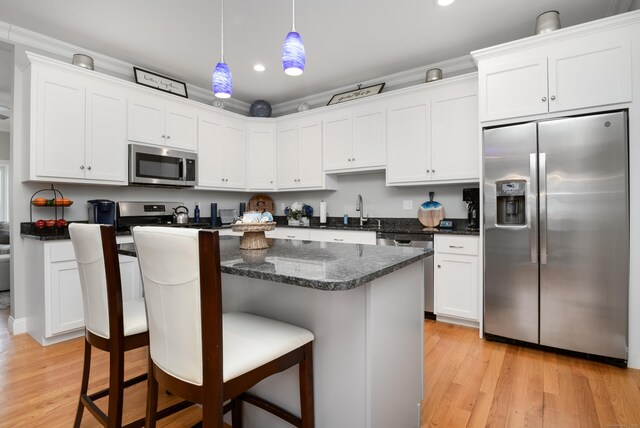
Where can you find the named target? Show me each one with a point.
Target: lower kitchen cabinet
(456, 277)
(54, 289)
(343, 236)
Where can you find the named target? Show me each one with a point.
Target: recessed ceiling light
(259, 67)
(443, 2)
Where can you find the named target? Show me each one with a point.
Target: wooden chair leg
(236, 413)
(84, 386)
(306, 388)
(152, 399)
(116, 388)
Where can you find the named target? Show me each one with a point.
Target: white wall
(5, 138)
(379, 200)
(635, 5)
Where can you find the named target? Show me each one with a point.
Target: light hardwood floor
(469, 382)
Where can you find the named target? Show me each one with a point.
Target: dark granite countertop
(317, 265)
(387, 225)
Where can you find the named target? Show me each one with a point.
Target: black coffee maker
(472, 197)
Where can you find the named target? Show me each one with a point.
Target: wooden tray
(253, 237)
(261, 203)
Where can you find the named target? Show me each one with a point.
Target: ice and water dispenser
(510, 195)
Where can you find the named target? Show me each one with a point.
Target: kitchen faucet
(359, 207)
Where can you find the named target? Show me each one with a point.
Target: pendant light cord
(222, 33)
(293, 27)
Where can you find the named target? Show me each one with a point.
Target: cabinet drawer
(343, 236)
(61, 251)
(288, 233)
(456, 245)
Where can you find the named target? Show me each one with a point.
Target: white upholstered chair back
(87, 244)
(171, 279)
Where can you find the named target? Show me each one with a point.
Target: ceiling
(347, 41)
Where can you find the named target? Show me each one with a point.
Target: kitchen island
(363, 303)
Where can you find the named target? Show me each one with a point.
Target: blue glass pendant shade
(293, 55)
(222, 81)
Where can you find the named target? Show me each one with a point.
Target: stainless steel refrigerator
(556, 233)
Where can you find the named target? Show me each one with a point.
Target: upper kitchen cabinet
(262, 161)
(161, 122)
(77, 125)
(222, 152)
(579, 67)
(433, 134)
(299, 155)
(354, 139)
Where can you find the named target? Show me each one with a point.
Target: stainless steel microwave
(160, 166)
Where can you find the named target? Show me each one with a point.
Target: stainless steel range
(129, 214)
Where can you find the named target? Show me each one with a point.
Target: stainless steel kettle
(181, 217)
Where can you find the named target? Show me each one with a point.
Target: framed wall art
(356, 94)
(160, 82)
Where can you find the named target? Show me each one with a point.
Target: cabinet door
(287, 157)
(210, 151)
(59, 125)
(337, 139)
(180, 127)
(310, 155)
(590, 74)
(66, 311)
(106, 143)
(456, 285)
(146, 121)
(261, 157)
(130, 278)
(513, 89)
(369, 137)
(234, 138)
(408, 139)
(455, 133)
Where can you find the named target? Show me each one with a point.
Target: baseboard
(458, 321)
(17, 326)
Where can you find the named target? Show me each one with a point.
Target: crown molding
(121, 69)
(592, 27)
(452, 67)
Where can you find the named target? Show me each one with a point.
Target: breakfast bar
(363, 303)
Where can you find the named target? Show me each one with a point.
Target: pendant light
(293, 55)
(221, 81)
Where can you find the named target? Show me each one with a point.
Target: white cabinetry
(54, 289)
(289, 233)
(262, 160)
(433, 134)
(158, 121)
(77, 126)
(299, 155)
(555, 76)
(222, 152)
(354, 140)
(343, 236)
(456, 277)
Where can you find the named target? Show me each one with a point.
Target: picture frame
(160, 82)
(356, 94)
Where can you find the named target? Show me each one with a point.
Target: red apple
(50, 223)
(40, 224)
(61, 223)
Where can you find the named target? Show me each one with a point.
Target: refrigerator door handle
(531, 206)
(542, 192)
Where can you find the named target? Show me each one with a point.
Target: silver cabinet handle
(439, 266)
(338, 239)
(168, 136)
(164, 136)
(81, 166)
(433, 171)
(353, 159)
(456, 246)
(428, 171)
(89, 168)
(291, 236)
(542, 184)
(544, 99)
(553, 97)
